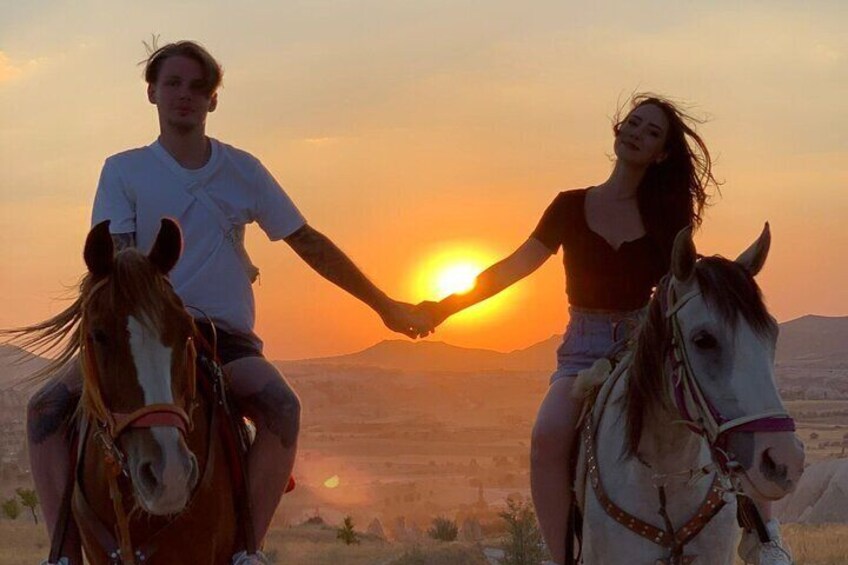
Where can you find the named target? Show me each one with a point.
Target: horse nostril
(147, 476)
(771, 469)
(193, 472)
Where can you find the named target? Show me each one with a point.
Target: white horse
(689, 420)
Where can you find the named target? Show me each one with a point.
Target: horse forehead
(152, 360)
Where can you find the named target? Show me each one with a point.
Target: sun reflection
(332, 482)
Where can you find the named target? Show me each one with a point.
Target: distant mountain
(818, 340)
(810, 340)
(822, 340)
(15, 365)
(443, 357)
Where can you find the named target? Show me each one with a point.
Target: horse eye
(703, 340)
(99, 337)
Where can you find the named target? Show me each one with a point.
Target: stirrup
(244, 558)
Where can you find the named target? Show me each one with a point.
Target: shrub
(346, 533)
(11, 509)
(29, 499)
(443, 529)
(523, 545)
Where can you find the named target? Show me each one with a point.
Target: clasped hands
(414, 321)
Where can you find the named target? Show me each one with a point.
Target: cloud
(8, 70)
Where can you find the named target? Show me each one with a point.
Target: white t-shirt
(139, 187)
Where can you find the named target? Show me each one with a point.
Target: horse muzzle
(771, 463)
(164, 472)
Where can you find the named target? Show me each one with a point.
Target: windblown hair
(728, 288)
(673, 192)
(212, 71)
(134, 281)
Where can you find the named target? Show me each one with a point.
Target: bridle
(704, 419)
(695, 408)
(110, 425)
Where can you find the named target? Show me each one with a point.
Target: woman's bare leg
(550, 473)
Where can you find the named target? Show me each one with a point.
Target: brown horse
(153, 482)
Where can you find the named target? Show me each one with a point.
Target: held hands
(405, 318)
(435, 312)
(415, 321)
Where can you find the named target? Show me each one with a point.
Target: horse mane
(134, 280)
(728, 288)
(57, 337)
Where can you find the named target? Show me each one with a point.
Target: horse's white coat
(629, 483)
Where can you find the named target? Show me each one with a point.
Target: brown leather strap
(60, 529)
(674, 540)
(151, 415)
(142, 552)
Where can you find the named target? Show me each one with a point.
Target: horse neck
(669, 446)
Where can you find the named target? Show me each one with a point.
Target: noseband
(695, 408)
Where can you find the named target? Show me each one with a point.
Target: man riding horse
(213, 190)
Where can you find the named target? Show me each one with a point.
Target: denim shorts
(591, 335)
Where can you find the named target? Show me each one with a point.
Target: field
(23, 543)
(395, 449)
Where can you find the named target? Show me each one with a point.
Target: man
(213, 190)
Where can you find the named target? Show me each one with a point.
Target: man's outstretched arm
(330, 262)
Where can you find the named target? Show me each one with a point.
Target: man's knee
(274, 409)
(49, 411)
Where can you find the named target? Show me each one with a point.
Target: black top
(596, 275)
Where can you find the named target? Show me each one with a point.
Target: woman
(617, 239)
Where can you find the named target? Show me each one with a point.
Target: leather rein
(704, 419)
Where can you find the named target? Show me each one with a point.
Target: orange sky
(408, 130)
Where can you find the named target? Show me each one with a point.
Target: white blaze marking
(152, 363)
(153, 367)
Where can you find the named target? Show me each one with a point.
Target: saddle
(591, 384)
(225, 420)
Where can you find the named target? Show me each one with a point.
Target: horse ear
(753, 258)
(99, 251)
(167, 247)
(683, 255)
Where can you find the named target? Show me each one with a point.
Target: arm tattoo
(123, 240)
(331, 263)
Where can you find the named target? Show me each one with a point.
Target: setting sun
(458, 278)
(332, 482)
(452, 268)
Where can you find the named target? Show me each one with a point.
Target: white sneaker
(243, 558)
(62, 561)
(773, 552)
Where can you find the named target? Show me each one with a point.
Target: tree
(346, 533)
(443, 529)
(524, 544)
(11, 509)
(28, 499)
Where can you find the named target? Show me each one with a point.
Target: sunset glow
(452, 268)
(456, 279)
(428, 160)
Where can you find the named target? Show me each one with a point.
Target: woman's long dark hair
(673, 192)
